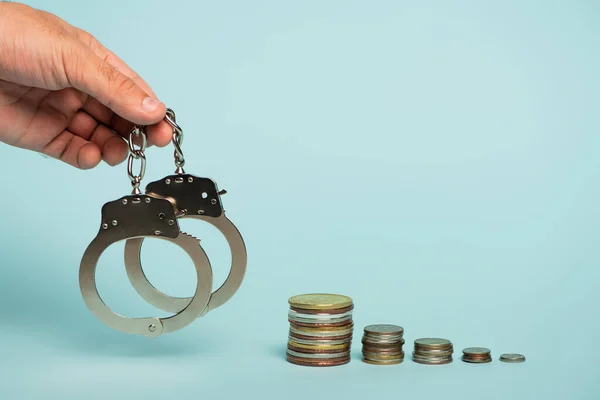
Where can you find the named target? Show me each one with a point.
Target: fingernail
(149, 104)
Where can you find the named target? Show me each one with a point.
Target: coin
(316, 362)
(382, 344)
(384, 330)
(309, 311)
(321, 330)
(476, 351)
(512, 358)
(433, 343)
(383, 362)
(320, 301)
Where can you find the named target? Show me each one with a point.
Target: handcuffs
(155, 213)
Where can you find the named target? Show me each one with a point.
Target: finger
(112, 146)
(94, 76)
(158, 134)
(73, 150)
(98, 48)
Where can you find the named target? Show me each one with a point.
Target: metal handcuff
(196, 198)
(155, 214)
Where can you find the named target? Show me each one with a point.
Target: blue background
(439, 162)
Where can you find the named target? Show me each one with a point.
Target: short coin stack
(321, 330)
(433, 351)
(477, 355)
(382, 344)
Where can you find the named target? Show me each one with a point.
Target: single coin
(313, 342)
(476, 360)
(314, 328)
(317, 346)
(319, 350)
(429, 362)
(384, 330)
(433, 342)
(320, 301)
(477, 351)
(334, 310)
(320, 338)
(319, 316)
(374, 355)
(322, 325)
(512, 358)
(317, 356)
(433, 353)
(382, 362)
(332, 362)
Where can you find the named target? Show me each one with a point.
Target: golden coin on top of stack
(477, 355)
(433, 351)
(382, 344)
(321, 330)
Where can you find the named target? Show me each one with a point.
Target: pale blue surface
(438, 163)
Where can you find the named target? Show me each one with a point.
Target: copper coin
(319, 338)
(318, 363)
(322, 312)
(382, 345)
(477, 360)
(318, 350)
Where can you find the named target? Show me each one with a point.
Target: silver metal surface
(168, 303)
(136, 154)
(177, 141)
(138, 217)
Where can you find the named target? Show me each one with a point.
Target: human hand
(64, 95)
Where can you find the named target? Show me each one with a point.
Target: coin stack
(382, 344)
(477, 355)
(433, 351)
(321, 330)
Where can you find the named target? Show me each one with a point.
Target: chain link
(177, 140)
(136, 153)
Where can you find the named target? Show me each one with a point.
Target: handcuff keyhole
(204, 195)
(161, 215)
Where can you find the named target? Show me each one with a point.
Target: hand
(64, 95)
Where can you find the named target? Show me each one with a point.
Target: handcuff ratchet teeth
(196, 198)
(133, 217)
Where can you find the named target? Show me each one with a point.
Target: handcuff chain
(136, 153)
(177, 141)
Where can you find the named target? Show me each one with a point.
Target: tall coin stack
(433, 351)
(321, 330)
(382, 344)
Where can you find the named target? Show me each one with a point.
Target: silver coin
(433, 342)
(512, 358)
(319, 342)
(321, 321)
(384, 330)
(480, 351)
(294, 314)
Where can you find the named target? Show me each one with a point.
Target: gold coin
(320, 301)
(317, 346)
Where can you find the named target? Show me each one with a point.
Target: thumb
(96, 77)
